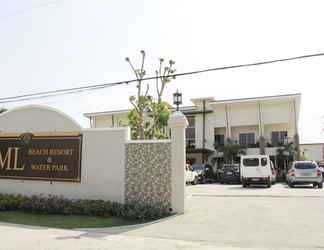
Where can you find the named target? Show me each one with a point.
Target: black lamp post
(177, 99)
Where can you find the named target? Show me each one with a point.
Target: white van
(255, 169)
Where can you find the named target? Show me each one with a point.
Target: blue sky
(47, 45)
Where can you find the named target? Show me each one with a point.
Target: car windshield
(305, 166)
(251, 162)
(198, 167)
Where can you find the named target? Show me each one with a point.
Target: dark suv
(205, 172)
(230, 174)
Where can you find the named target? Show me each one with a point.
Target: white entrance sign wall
(102, 172)
(103, 164)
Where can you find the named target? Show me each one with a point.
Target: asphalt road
(217, 217)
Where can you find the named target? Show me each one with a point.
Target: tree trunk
(141, 126)
(262, 145)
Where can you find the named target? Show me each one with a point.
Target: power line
(46, 94)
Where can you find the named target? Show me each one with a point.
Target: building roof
(192, 109)
(259, 98)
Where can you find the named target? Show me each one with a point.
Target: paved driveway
(217, 217)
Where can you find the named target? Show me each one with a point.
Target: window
(278, 137)
(251, 162)
(191, 132)
(305, 165)
(247, 138)
(219, 140)
(264, 162)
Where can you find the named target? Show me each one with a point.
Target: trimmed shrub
(51, 204)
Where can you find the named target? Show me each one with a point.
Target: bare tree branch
(147, 89)
(130, 63)
(134, 105)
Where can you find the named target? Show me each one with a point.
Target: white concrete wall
(199, 131)
(313, 152)
(102, 170)
(278, 112)
(243, 114)
(178, 123)
(37, 119)
(103, 156)
(256, 151)
(115, 120)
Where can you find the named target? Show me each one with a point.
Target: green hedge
(51, 204)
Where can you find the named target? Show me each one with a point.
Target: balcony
(268, 143)
(190, 143)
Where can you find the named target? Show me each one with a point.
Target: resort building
(260, 124)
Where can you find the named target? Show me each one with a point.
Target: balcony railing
(268, 143)
(190, 143)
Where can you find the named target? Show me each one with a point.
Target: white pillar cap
(178, 120)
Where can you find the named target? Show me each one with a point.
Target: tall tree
(231, 151)
(286, 153)
(150, 116)
(160, 110)
(140, 102)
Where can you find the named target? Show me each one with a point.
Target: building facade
(260, 124)
(313, 151)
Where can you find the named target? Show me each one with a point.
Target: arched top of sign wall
(35, 118)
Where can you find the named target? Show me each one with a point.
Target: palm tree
(285, 153)
(230, 151)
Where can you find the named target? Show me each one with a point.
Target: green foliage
(2, 110)
(286, 154)
(286, 151)
(149, 116)
(231, 151)
(40, 204)
(160, 116)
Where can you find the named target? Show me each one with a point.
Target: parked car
(305, 172)
(273, 173)
(256, 169)
(230, 174)
(190, 175)
(205, 172)
(218, 172)
(321, 168)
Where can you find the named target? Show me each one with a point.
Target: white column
(178, 124)
(228, 124)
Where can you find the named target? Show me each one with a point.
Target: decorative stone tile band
(148, 174)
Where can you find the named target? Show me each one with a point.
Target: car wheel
(315, 185)
(320, 185)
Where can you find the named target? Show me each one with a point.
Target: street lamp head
(177, 99)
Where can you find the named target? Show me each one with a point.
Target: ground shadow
(299, 187)
(104, 232)
(256, 187)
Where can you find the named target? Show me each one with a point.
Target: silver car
(304, 172)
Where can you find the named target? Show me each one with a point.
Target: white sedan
(190, 176)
